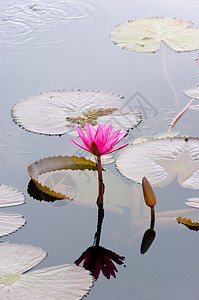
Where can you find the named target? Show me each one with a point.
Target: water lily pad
(167, 134)
(188, 223)
(77, 179)
(10, 196)
(193, 202)
(146, 34)
(61, 282)
(192, 93)
(10, 222)
(161, 161)
(58, 112)
(194, 107)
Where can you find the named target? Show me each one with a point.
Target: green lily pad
(146, 34)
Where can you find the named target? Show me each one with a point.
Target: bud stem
(152, 212)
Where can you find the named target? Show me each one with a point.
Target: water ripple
(40, 23)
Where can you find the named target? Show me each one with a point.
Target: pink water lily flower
(100, 141)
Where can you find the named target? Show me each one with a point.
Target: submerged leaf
(161, 161)
(10, 196)
(58, 112)
(61, 282)
(64, 177)
(188, 223)
(146, 34)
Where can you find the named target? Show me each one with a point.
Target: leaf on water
(194, 107)
(161, 161)
(10, 196)
(58, 112)
(10, 222)
(192, 93)
(146, 34)
(167, 134)
(188, 223)
(58, 163)
(140, 140)
(77, 179)
(193, 202)
(61, 282)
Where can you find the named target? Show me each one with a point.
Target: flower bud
(148, 192)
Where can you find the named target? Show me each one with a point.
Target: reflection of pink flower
(97, 258)
(100, 141)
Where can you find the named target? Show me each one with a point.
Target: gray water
(52, 45)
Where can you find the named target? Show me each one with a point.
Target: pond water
(52, 45)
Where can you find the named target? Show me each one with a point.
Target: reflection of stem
(100, 179)
(99, 224)
(180, 114)
(152, 223)
(168, 78)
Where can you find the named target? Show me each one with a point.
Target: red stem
(180, 114)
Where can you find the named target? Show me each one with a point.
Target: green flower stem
(100, 179)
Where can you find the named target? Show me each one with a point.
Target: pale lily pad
(192, 93)
(146, 34)
(61, 282)
(194, 107)
(193, 202)
(10, 196)
(160, 161)
(10, 222)
(167, 134)
(77, 179)
(58, 112)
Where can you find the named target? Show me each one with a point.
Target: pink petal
(99, 138)
(117, 148)
(121, 136)
(90, 130)
(115, 134)
(85, 140)
(80, 145)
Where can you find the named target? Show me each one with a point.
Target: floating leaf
(188, 223)
(167, 134)
(192, 93)
(146, 34)
(10, 222)
(76, 178)
(10, 196)
(161, 161)
(194, 107)
(140, 140)
(58, 112)
(193, 202)
(61, 282)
